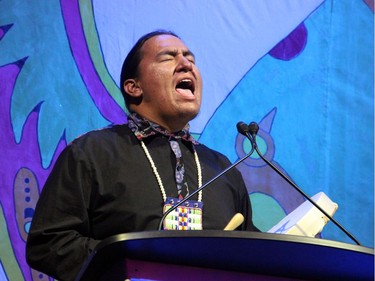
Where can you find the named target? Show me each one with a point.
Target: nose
(184, 64)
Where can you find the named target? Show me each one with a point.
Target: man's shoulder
(213, 154)
(107, 134)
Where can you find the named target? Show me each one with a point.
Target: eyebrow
(174, 52)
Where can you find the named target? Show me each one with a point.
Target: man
(120, 179)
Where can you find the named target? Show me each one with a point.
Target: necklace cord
(161, 186)
(201, 188)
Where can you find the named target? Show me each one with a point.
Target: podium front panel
(246, 254)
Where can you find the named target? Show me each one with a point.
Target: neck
(172, 127)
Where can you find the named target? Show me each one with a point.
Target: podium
(225, 255)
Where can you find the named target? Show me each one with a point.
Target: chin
(190, 115)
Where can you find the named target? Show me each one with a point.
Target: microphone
(251, 133)
(240, 125)
(243, 128)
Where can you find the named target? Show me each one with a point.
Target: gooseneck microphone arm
(206, 184)
(251, 133)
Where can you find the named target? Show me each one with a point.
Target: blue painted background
(304, 71)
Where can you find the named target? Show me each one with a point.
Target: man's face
(170, 82)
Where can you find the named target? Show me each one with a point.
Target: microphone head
(253, 128)
(242, 128)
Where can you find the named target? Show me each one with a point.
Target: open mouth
(186, 86)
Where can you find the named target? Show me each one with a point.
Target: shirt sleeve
(58, 242)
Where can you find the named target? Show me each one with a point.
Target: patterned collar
(143, 128)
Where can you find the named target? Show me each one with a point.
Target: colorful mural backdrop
(304, 70)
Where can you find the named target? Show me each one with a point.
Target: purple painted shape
(74, 29)
(292, 45)
(370, 4)
(14, 156)
(4, 29)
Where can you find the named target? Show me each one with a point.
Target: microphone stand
(251, 135)
(202, 187)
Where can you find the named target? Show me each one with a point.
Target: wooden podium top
(268, 254)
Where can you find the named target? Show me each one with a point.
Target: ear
(132, 88)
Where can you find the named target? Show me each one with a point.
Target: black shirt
(102, 184)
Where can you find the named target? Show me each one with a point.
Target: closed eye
(191, 59)
(167, 59)
(171, 54)
(166, 55)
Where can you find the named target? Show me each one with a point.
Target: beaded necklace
(158, 178)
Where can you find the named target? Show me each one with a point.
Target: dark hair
(130, 65)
